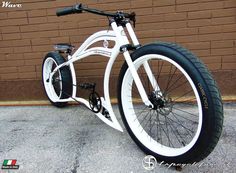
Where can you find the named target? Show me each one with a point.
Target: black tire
(209, 95)
(66, 78)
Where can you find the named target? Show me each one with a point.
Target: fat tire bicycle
(168, 100)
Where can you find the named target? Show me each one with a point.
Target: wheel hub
(161, 103)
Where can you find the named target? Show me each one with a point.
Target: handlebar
(78, 8)
(69, 10)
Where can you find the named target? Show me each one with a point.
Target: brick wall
(207, 27)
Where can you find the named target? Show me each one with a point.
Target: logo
(205, 101)
(10, 164)
(105, 43)
(8, 4)
(149, 162)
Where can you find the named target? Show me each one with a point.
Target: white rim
(47, 70)
(135, 126)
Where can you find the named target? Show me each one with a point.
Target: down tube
(106, 87)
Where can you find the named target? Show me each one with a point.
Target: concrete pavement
(73, 139)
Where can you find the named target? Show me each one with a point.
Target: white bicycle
(168, 100)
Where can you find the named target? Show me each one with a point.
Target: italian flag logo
(10, 164)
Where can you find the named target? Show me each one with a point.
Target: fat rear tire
(66, 78)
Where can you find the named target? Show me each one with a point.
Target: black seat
(63, 47)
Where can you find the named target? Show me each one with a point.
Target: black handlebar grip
(65, 11)
(69, 10)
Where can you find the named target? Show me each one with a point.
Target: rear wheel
(61, 85)
(186, 120)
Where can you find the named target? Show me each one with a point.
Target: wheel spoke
(184, 111)
(150, 121)
(180, 123)
(175, 82)
(175, 130)
(137, 116)
(184, 117)
(167, 136)
(158, 127)
(167, 128)
(144, 118)
(178, 86)
(183, 95)
(159, 72)
(146, 122)
(170, 77)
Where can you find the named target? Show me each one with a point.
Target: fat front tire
(61, 82)
(183, 126)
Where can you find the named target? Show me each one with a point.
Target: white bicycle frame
(118, 35)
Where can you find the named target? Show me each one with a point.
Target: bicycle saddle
(63, 47)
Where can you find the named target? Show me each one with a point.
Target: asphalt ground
(48, 139)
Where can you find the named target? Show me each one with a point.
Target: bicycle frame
(118, 35)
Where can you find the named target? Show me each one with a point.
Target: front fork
(133, 70)
(137, 80)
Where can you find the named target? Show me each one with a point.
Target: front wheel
(185, 122)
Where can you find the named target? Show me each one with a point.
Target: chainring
(95, 102)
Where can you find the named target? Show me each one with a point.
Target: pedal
(87, 85)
